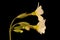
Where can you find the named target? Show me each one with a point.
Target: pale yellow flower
(39, 11)
(40, 27)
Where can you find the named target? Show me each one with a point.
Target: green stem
(10, 29)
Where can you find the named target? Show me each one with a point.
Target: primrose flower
(40, 27)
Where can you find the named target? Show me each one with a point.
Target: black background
(10, 9)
